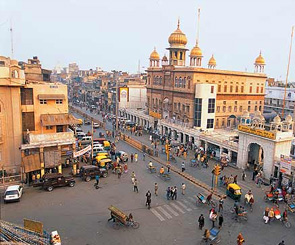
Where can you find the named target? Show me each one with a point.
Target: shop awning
(51, 96)
(58, 119)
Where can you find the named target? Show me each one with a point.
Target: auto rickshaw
(105, 163)
(106, 145)
(234, 192)
(100, 157)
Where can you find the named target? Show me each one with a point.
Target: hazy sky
(115, 34)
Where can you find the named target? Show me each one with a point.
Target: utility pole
(11, 39)
(290, 51)
(117, 105)
(92, 139)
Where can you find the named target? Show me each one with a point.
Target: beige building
(34, 119)
(12, 78)
(172, 88)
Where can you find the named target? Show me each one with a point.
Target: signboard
(123, 95)
(285, 164)
(260, 132)
(81, 152)
(33, 226)
(155, 114)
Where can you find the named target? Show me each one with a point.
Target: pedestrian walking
(135, 157)
(182, 167)
(240, 239)
(131, 156)
(213, 218)
(119, 171)
(243, 175)
(183, 187)
(220, 206)
(97, 179)
(172, 192)
(148, 199)
(236, 179)
(220, 220)
(168, 167)
(175, 192)
(201, 221)
(185, 155)
(133, 177)
(143, 156)
(282, 243)
(135, 186)
(156, 189)
(168, 193)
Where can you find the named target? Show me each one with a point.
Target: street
(80, 214)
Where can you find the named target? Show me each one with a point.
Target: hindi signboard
(260, 132)
(285, 164)
(81, 152)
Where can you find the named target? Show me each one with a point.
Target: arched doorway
(166, 108)
(255, 155)
(232, 121)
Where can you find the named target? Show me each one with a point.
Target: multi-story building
(133, 94)
(274, 100)
(12, 79)
(201, 97)
(34, 119)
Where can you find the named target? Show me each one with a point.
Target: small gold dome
(277, 119)
(154, 55)
(196, 51)
(177, 38)
(212, 61)
(260, 60)
(289, 118)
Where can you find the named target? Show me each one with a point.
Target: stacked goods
(12, 233)
(118, 214)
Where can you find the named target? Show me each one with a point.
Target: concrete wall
(203, 91)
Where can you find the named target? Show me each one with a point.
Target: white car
(95, 145)
(95, 125)
(13, 193)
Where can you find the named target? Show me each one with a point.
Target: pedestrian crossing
(174, 208)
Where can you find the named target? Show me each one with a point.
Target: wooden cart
(121, 219)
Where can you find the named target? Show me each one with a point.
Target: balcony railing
(51, 138)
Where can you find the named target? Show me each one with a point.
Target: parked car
(80, 135)
(50, 181)
(90, 171)
(13, 193)
(87, 122)
(86, 140)
(97, 145)
(122, 155)
(95, 125)
(97, 150)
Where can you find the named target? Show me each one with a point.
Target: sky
(116, 34)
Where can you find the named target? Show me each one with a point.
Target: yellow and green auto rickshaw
(105, 163)
(106, 145)
(100, 157)
(234, 191)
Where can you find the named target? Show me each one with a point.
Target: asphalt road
(80, 214)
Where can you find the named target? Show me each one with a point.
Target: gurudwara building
(198, 96)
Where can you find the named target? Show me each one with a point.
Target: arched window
(188, 82)
(180, 82)
(184, 82)
(160, 81)
(14, 74)
(176, 82)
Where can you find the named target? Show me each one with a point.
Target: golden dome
(260, 60)
(289, 118)
(212, 61)
(277, 119)
(154, 55)
(196, 51)
(177, 38)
